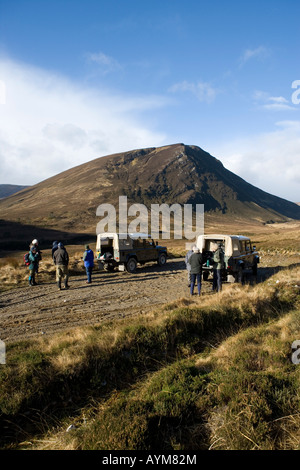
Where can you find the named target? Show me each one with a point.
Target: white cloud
(105, 62)
(278, 107)
(269, 161)
(260, 52)
(272, 103)
(202, 90)
(49, 123)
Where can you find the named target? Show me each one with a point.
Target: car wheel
(254, 269)
(131, 265)
(162, 259)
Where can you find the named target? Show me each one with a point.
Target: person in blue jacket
(88, 258)
(34, 261)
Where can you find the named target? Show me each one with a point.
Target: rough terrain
(27, 312)
(43, 309)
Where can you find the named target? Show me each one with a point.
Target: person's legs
(199, 283)
(58, 276)
(214, 286)
(89, 274)
(193, 279)
(66, 276)
(36, 274)
(219, 280)
(31, 277)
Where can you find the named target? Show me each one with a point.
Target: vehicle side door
(248, 254)
(150, 250)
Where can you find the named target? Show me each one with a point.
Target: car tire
(162, 259)
(254, 269)
(131, 265)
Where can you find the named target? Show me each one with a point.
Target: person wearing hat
(38, 253)
(195, 262)
(61, 261)
(88, 259)
(218, 259)
(34, 260)
(54, 247)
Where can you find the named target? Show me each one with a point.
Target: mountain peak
(177, 173)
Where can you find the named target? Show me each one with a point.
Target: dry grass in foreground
(13, 272)
(215, 374)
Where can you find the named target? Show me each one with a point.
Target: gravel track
(26, 312)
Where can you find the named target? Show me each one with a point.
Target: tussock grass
(215, 373)
(13, 272)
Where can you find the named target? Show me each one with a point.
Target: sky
(84, 79)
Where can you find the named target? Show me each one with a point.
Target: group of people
(60, 259)
(194, 263)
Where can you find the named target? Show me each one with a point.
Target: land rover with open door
(240, 256)
(126, 251)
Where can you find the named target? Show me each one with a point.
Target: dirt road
(26, 312)
(31, 311)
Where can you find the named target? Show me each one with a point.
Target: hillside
(9, 189)
(172, 174)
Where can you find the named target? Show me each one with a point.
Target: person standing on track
(218, 266)
(195, 262)
(35, 244)
(34, 260)
(88, 258)
(61, 261)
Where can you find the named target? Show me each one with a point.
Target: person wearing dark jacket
(218, 266)
(88, 258)
(195, 262)
(61, 261)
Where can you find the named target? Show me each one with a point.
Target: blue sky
(83, 79)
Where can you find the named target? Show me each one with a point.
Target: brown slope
(170, 174)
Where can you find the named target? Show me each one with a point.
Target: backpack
(219, 257)
(27, 261)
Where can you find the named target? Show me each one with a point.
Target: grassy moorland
(216, 373)
(14, 274)
(190, 376)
